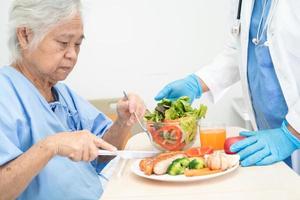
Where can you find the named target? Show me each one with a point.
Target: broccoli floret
(184, 162)
(178, 166)
(196, 163)
(175, 169)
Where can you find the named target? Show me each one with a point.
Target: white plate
(179, 178)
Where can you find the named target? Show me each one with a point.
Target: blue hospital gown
(267, 98)
(268, 102)
(26, 117)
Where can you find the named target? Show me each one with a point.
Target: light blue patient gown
(26, 118)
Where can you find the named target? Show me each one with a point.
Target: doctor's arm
(215, 77)
(293, 131)
(191, 86)
(16, 175)
(267, 146)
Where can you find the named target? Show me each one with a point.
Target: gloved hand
(266, 146)
(189, 86)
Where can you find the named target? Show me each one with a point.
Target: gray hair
(39, 16)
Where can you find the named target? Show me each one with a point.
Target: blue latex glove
(189, 86)
(266, 147)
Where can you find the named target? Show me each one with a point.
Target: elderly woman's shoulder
(10, 78)
(10, 89)
(6, 76)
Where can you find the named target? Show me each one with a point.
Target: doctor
(263, 52)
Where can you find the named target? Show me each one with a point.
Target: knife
(128, 154)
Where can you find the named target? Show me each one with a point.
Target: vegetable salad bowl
(172, 126)
(173, 135)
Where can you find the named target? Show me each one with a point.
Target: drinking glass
(212, 135)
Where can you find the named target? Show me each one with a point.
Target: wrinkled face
(55, 56)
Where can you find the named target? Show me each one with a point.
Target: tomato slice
(198, 151)
(168, 137)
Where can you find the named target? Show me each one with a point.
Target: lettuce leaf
(172, 110)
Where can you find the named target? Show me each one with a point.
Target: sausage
(160, 163)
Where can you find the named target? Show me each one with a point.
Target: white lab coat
(283, 35)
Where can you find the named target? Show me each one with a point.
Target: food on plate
(146, 165)
(160, 163)
(198, 151)
(230, 141)
(180, 162)
(173, 124)
(220, 161)
(200, 172)
(196, 163)
(178, 166)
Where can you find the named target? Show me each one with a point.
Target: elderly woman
(49, 136)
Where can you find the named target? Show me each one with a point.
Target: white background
(140, 45)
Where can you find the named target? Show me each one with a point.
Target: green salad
(173, 124)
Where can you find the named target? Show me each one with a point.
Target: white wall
(140, 45)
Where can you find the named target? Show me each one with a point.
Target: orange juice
(213, 137)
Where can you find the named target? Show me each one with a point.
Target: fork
(135, 115)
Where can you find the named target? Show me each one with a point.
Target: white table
(276, 181)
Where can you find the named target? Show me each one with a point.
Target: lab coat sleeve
(291, 56)
(293, 116)
(223, 71)
(286, 50)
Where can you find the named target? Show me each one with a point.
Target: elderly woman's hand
(78, 146)
(127, 107)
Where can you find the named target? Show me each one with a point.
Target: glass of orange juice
(212, 135)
